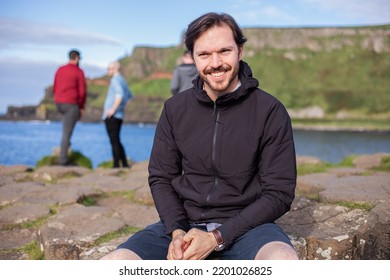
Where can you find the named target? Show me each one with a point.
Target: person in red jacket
(222, 168)
(70, 91)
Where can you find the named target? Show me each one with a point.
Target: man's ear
(240, 52)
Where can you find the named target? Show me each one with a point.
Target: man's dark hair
(203, 23)
(73, 54)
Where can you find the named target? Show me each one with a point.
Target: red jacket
(69, 85)
(230, 162)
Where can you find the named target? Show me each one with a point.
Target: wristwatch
(220, 243)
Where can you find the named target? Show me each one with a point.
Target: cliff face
(148, 64)
(375, 39)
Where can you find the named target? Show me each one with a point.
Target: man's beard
(222, 86)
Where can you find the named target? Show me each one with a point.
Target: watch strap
(218, 236)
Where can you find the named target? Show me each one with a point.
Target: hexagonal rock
(74, 229)
(13, 169)
(59, 194)
(50, 173)
(130, 212)
(98, 252)
(330, 231)
(107, 183)
(138, 215)
(16, 238)
(375, 244)
(370, 189)
(312, 183)
(12, 193)
(19, 213)
(144, 195)
(369, 161)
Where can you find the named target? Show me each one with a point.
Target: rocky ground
(77, 213)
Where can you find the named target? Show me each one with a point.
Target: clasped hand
(193, 245)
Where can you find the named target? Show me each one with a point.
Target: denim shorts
(152, 243)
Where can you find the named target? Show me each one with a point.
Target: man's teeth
(217, 74)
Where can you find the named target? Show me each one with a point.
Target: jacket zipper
(213, 152)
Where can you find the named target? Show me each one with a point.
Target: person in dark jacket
(184, 74)
(222, 167)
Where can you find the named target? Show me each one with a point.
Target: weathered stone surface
(50, 173)
(19, 213)
(133, 214)
(98, 252)
(50, 200)
(13, 169)
(13, 192)
(369, 161)
(16, 238)
(370, 189)
(330, 231)
(75, 228)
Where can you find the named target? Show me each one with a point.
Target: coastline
(340, 128)
(308, 127)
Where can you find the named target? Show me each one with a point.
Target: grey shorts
(152, 243)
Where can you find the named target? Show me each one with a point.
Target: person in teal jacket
(118, 94)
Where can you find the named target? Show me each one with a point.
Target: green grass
(110, 163)
(87, 201)
(309, 168)
(349, 79)
(33, 250)
(75, 158)
(106, 164)
(125, 231)
(357, 205)
(384, 165)
(129, 195)
(152, 88)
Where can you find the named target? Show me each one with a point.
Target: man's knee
(276, 251)
(121, 254)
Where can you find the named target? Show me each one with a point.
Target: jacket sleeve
(164, 166)
(82, 89)
(54, 89)
(276, 178)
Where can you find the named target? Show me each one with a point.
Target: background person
(70, 92)
(222, 167)
(117, 96)
(184, 74)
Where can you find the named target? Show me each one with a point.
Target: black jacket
(230, 162)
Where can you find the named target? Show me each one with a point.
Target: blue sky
(35, 36)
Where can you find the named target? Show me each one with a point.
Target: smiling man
(222, 167)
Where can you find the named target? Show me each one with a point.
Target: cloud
(16, 32)
(372, 12)
(23, 82)
(254, 12)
